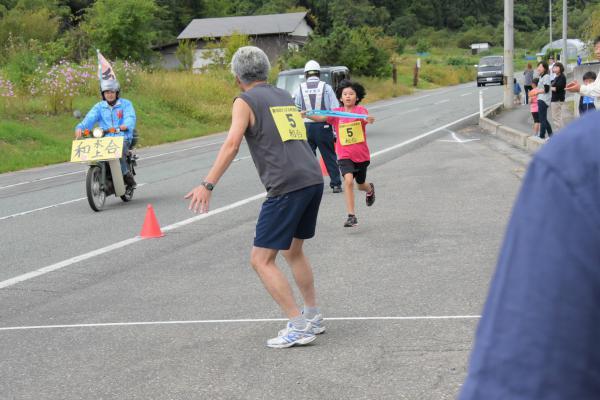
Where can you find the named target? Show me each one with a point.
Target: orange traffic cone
(151, 228)
(323, 168)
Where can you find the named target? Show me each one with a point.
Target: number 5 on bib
(351, 133)
(289, 123)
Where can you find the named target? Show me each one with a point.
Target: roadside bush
(457, 61)
(422, 46)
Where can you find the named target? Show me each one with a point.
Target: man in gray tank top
(274, 130)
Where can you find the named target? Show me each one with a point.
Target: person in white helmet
(314, 94)
(112, 113)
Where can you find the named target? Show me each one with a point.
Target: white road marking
(180, 150)
(41, 208)
(399, 102)
(84, 171)
(231, 321)
(465, 94)
(441, 102)
(51, 206)
(81, 198)
(42, 179)
(431, 132)
(118, 245)
(455, 138)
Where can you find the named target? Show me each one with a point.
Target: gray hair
(250, 64)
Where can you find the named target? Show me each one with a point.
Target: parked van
(291, 79)
(490, 70)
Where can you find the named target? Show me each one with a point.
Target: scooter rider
(315, 94)
(112, 113)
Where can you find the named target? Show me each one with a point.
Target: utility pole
(565, 56)
(550, 12)
(508, 53)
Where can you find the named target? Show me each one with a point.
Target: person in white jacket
(593, 89)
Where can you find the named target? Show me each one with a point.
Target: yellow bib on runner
(289, 123)
(351, 133)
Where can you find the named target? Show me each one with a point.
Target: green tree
(221, 52)
(122, 28)
(25, 25)
(185, 53)
(366, 51)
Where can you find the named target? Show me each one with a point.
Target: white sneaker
(317, 324)
(290, 336)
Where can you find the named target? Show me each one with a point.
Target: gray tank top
(283, 166)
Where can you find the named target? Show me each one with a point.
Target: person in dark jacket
(557, 102)
(538, 335)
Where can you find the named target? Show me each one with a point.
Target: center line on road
(231, 321)
(51, 206)
(84, 171)
(118, 245)
(441, 102)
(41, 179)
(465, 94)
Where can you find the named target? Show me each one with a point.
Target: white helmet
(312, 65)
(112, 85)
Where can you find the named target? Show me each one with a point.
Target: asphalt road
(90, 311)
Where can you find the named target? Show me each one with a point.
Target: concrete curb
(513, 136)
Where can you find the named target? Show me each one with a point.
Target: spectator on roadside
(538, 334)
(557, 102)
(517, 92)
(544, 95)
(586, 103)
(551, 63)
(593, 89)
(528, 77)
(578, 59)
(315, 94)
(533, 107)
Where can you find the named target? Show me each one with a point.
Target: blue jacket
(122, 113)
(538, 336)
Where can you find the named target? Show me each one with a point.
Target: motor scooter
(102, 153)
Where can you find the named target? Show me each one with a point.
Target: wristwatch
(209, 186)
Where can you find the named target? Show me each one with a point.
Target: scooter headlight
(97, 132)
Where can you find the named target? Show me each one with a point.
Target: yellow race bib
(289, 123)
(351, 133)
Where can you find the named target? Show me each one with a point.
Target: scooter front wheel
(95, 195)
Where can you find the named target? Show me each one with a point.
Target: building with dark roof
(274, 34)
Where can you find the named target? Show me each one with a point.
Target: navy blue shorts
(291, 215)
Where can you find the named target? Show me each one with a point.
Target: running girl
(351, 145)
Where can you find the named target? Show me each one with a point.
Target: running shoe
(370, 198)
(316, 324)
(351, 221)
(290, 336)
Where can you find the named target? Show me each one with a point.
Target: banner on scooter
(97, 149)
